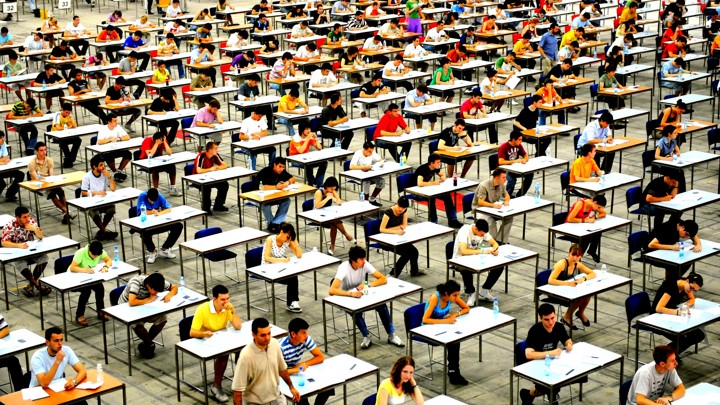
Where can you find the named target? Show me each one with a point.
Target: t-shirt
(160, 204)
(199, 82)
(489, 192)
(136, 286)
(469, 107)
(304, 52)
(670, 288)
(316, 77)
(206, 319)
(115, 134)
(104, 35)
(413, 96)
(204, 162)
(528, 118)
(269, 177)
(147, 144)
(666, 234)
(42, 76)
(126, 66)
(370, 89)
(426, 173)
(91, 182)
(72, 29)
(450, 137)
(465, 235)
(390, 66)
(351, 278)
(59, 121)
(671, 48)
(558, 72)
(160, 76)
(114, 93)
(205, 116)
(246, 90)
(582, 169)
(509, 152)
(409, 5)
(540, 340)
(83, 259)
(250, 126)
(656, 188)
(332, 114)
(42, 362)
(651, 384)
(293, 354)
(42, 169)
(257, 373)
(159, 105)
(58, 52)
(78, 85)
(393, 397)
(359, 159)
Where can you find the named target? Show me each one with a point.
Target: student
(324, 197)
(373, 89)
(204, 53)
(426, 177)
(489, 86)
(394, 221)
(304, 142)
(652, 379)
(208, 162)
(350, 281)
(86, 260)
(597, 132)
(560, 74)
(392, 124)
(512, 152)
(400, 385)
(109, 34)
(112, 132)
(117, 94)
(214, 316)
(364, 160)
(609, 81)
(206, 117)
(74, 30)
(417, 98)
(254, 128)
(28, 133)
(660, 189)
(167, 102)
(667, 237)
(443, 75)
(49, 78)
(672, 295)
(586, 210)
(572, 272)
(473, 108)
(550, 96)
(168, 47)
(143, 289)
(275, 177)
(289, 104)
(14, 68)
(437, 312)
(202, 82)
(396, 68)
(473, 240)
(78, 86)
(48, 364)
(490, 193)
(674, 68)
(585, 166)
(274, 252)
(667, 148)
(16, 175)
(154, 146)
(69, 145)
(43, 166)
(672, 115)
(333, 115)
(63, 52)
(450, 141)
(156, 204)
(16, 234)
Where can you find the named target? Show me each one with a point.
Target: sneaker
(110, 235)
(472, 299)
(129, 128)
(366, 342)
(455, 378)
(485, 295)
(174, 191)
(118, 177)
(72, 215)
(221, 208)
(152, 257)
(454, 223)
(65, 219)
(218, 393)
(330, 252)
(525, 397)
(513, 102)
(395, 340)
(167, 253)
(375, 203)
(468, 91)
(294, 307)
(353, 242)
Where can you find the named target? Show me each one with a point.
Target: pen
(353, 366)
(571, 370)
(281, 270)
(86, 280)
(438, 334)
(181, 302)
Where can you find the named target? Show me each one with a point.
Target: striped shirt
(3, 323)
(20, 111)
(293, 354)
(136, 286)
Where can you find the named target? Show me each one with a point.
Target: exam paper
(35, 393)
(58, 385)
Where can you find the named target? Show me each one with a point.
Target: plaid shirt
(16, 233)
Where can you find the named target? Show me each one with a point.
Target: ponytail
(449, 287)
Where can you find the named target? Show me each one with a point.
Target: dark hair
(296, 325)
(607, 117)
(396, 372)
(536, 97)
(491, 72)
(254, 77)
(586, 15)
(32, 104)
(95, 247)
(311, 46)
(280, 161)
(152, 194)
(448, 287)
(66, 107)
(356, 252)
(156, 136)
(545, 309)
(366, 145)
(695, 278)
(287, 228)
(514, 135)
(39, 144)
(669, 129)
(53, 330)
(96, 160)
(691, 227)
(403, 202)
(527, 35)
(259, 323)
(214, 103)
(681, 105)
(682, 39)
(333, 98)
(600, 200)
(109, 118)
(433, 157)
(587, 148)
(575, 248)
(444, 61)
(12, 55)
(167, 93)
(21, 210)
(422, 88)
(662, 353)
(498, 172)
(331, 182)
(399, 57)
(460, 121)
(156, 281)
(219, 289)
(553, 25)
(287, 56)
(120, 80)
(611, 67)
(393, 106)
(482, 225)
(352, 49)
(133, 54)
(170, 35)
(294, 93)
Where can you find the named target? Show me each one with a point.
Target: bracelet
(414, 386)
(677, 312)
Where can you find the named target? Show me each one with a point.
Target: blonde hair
(143, 19)
(52, 20)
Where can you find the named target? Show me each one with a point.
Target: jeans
(511, 180)
(279, 217)
(180, 67)
(222, 190)
(562, 117)
(80, 47)
(269, 151)
(69, 149)
(384, 314)
(317, 179)
(169, 128)
(284, 88)
(85, 295)
(29, 134)
(175, 231)
(17, 177)
(490, 281)
(288, 124)
(293, 290)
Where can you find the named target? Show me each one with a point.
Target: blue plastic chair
(636, 306)
(222, 255)
(413, 317)
(634, 196)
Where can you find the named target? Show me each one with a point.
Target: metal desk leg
(129, 349)
(177, 371)
(247, 294)
(203, 369)
(105, 341)
(324, 325)
(272, 297)
(445, 370)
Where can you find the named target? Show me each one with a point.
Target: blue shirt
(438, 312)
(4, 39)
(131, 43)
(3, 151)
(415, 98)
(293, 354)
(592, 131)
(195, 53)
(160, 204)
(457, 8)
(467, 39)
(42, 362)
(549, 44)
(580, 23)
(668, 68)
(666, 146)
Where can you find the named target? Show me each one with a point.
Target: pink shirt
(204, 116)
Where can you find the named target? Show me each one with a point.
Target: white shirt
(317, 77)
(619, 42)
(486, 85)
(434, 35)
(172, 12)
(351, 278)
(304, 52)
(297, 29)
(235, 40)
(359, 159)
(33, 45)
(465, 235)
(138, 24)
(392, 68)
(79, 30)
(250, 126)
(412, 50)
(369, 44)
(170, 27)
(106, 133)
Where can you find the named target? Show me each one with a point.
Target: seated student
(443, 75)
(652, 380)
(512, 152)
(63, 52)
(156, 204)
(541, 341)
(17, 176)
(550, 96)
(333, 115)
(659, 189)
(303, 142)
(112, 132)
(78, 86)
(437, 312)
(168, 47)
(489, 86)
(274, 252)
(69, 146)
(476, 240)
(350, 281)
(372, 10)
(567, 272)
(263, 7)
(128, 66)
(667, 237)
(161, 75)
(670, 297)
(14, 68)
(598, 132)
(49, 78)
(250, 90)
(110, 34)
(204, 53)
(255, 127)
(203, 34)
(357, 22)
(207, 162)
(117, 94)
(134, 42)
(450, 141)
(674, 68)
(425, 177)
(416, 98)
(154, 146)
(16, 234)
(507, 65)
(324, 197)
(100, 78)
(672, 115)
(48, 364)
(521, 48)
(372, 89)
(400, 385)
(473, 108)
(351, 59)
(293, 346)
(676, 49)
(296, 12)
(143, 289)
(584, 167)
(167, 102)
(306, 53)
(206, 117)
(97, 182)
(609, 81)
(392, 124)
(336, 36)
(173, 10)
(43, 166)
(396, 68)
(390, 29)
(28, 133)
(490, 193)
(560, 74)
(571, 51)
(275, 177)
(202, 82)
(364, 160)
(86, 260)
(289, 104)
(394, 221)
(323, 77)
(588, 210)
(665, 149)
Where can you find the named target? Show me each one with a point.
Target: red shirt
(670, 48)
(389, 124)
(202, 160)
(147, 144)
(470, 108)
(454, 55)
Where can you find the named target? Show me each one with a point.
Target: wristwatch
(74, 383)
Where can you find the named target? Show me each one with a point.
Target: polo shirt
(206, 319)
(83, 259)
(205, 116)
(257, 373)
(136, 286)
(389, 124)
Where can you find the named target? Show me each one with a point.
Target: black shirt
(42, 76)
(540, 340)
(426, 173)
(58, 52)
(78, 85)
(394, 220)
(332, 114)
(159, 105)
(527, 118)
(346, 59)
(369, 89)
(558, 72)
(294, 13)
(670, 288)
(260, 9)
(449, 137)
(269, 177)
(656, 188)
(245, 90)
(666, 234)
(115, 94)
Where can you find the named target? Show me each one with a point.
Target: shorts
(93, 212)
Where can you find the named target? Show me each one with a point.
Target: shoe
(147, 350)
(221, 208)
(118, 177)
(330, 252)
(454, 223)
(584, 323)
(68, 165)
(152, 257)
(395, 340)
(353, 242)
(218, 393)
(363, 114)
(569, 325)
(174, 191)
(29, 291)
(99, 235)
(455, 378)
(366, 342)
(472, 299)
(294, 307)
(417, 273)
(92, 3)
(110, 235)
(513, 102)
(44, 290)
(595, 257)
(166, 253)
(103, 317)
(375, 203)
(49, 112)
(395, 273)
(468, 91)
(129, 128)
(525, 397)
(485, 295)
(65, 220)
(81, 321)
(11, 199)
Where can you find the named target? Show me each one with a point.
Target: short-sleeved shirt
(450, 137)
(465, 235)
(409, 5)
(359, 159)
(91, 182)
(608, 81)
(83, 259)
(136, 286)
(389, 123)
(667, 147)
(60, 121)
(351, 278)
(670, 288)
(246, 90)
(528, 118)
(58, 52)
(16, 233)
(206, 319)
(293, 354)
(114, 134)
(130, 42)
(42, 362)
(199, 82)
(42, 76)
(369, 89)
(509, 152)
(114, 93)
(593, 131)
(393, 397)
(332, 114)
(165, 48)
(19, 109)
(203, 161)
(160, 76)
(426, 172)
(147, 144)
(269, 177)
(257, 373)
(159, 204)
(540, 340)
(489, 192)
(648, 382)
(666, 233)
(582, 169)
(42, 169)
(469, 107)
(415, 98)
(656, 188)
(251, 126)
(126, 66)
(205, 116)
(394, 220)
(159, 105)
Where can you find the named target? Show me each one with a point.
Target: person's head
(476, 96)
(536, 100)
(336, 99)
(547, 316)
(49, 70)
(680, 42)
(394, 22)
(221, 295)
(574, 45)
(286, 232)
(492, 18)
(213, 106)
(610, 70)
(554, 28)
(670, 132)
(434, 161)
(325, 68)
(402, 372)
(664, 357)
(330, 184)
(398, 60)
(167, 94)
(377, 39)
(481, 227)
(261, 332)
(499, 176)
(587, 150)
(337, 28)
(257, 115)
(599, 202)
(470, 31)
(575, 253)
(585, 16)
(459, 125)
(633, 6)
(112, 120)
(30, 105)
(680, 106)
(492, 74)
(445, 63)
(421, 90)
(97, 163)
(143, 19)
(63, 44)
(693, 283)
(367, 148)
(95, 249)
(161, 66)
(376, 80)
(450, 290)
(393, 110)
(510, 56)
(157, 137)
(76, 20)
(262, 17)
(678, 63)
(154, 283)
(119, 83)
(515, 138)
(37, 35)
(22, 214)
(2, 137)
(352, 51)
(606, 119)
(279, 164)
(298, 329)
(170, 38)
(66, 110)
(403, 202)
(211, 148)
(54, 340)
(671, 179)
(687, 228)
(356, 256)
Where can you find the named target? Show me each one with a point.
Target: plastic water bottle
(625, 51)
(615, 89)
(675, 158)
(337, 144)
(602, 179)
(39, 177)
(182, 286)
(605, 142)
(260, 192)
(603, 272)
(681, 253)
(251, 95)
(537, 193)
(301, 377)
(345, 78)
(684, 313)
(680, 72)
(686, 123)
(44, 85)
(143, 213)
(366, 290)
(547, 365)
(402, 160)
(595, 54)
(116, 258)
(362, 196)
(65, 128)
(496, 307)
(100, 378)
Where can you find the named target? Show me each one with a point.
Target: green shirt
(608, 81)
(410, 5)
(83, 259)
(19, 109)
(333, 37)
(443, 77)
(13, 69)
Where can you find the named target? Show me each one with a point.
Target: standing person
(86, 260)
(143, 289)
(512, 152)
(392, 124)
(255, 127)
(651, 380)
(400, 385)
(16, 234)
(673, 294)
(76, 31)
(548, 48)
(70, 145)
(598, 132)
(214, 316)
(450, 141)
(304, 142)
(542, 340)
(412, 11)
(333, 115)
(572, 272)
(258, 368)
(154, 146)
(293, 346)
(437, 312)
(274, 252)
(96, 182)
(492, 193)
(156, 204)
(48, 364)
(350, 281)
(28, 133)
(43, 166)
(426, 177)
(275, 177)
(167, 102)
(364, 160)
(394, 221)
(474, 240)
(589, 210)
(206, 162)
(16, 175)
(112, 132)
(324, 197)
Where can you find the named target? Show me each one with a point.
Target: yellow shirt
(159, 77)
(520, 47)
(716, 44)
(580, 169)
(567, 38)
(289, 105)
(627, 15)
(206, 319)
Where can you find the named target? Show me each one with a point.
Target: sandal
(81, 321)
(585, 323)
(44, 290)
(29, 291)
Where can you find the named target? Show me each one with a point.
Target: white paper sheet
(35, 393)
(58, 385)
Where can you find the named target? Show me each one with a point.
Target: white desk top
(459, 84)
(131, 143)
(626, 70)
(337, 87)
(181, 55)
(220, 175)
(31, 120)
(179, 213)
(701, 394)
(258, 100)
(378, 295)
(16, 164)
(352, 125)
(143, 74)
(413, 74)
(337, 212)
(612, 180)
(490, 119)
(701, 313)
(686, 77)
(601, 225)
(263, 142)
(170, 115)
(227, 340)
(214, 90)
(687, 99)
(310, 261)
(388, 167)
(225, 126)
(333, 371)
(431, 108)
(165, 160)
(380, 98)
(413, 233)
(517, 206)
(37, 247)
(111, 197)
(709, 248)
(69, 280)
(18, 341)
(313, 110)
(428, 57)
(533, 165)
(600, 283)
(507, 254)
(443, 400)
(224, 239)
(442, 188)
(322, 155)
(240, 73)
(414, 135)
(128, 315)
(689, 158)
(477, 321)
(688, 200)
(47, 88)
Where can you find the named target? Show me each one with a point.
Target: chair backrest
(624, 391)
(519, 352)
(371, 228)
(316, 124)
(93, 140)
(493, 162)
(63, 263)
(413, 316)
(542, 278)
(576, 139)
(636, 305)
(370, 400)
(637, 241)
(248, 186)
(370, 133)
(115, 294)
(136, 154)
(186, 122)
(208, 232)
(132, 211)
(346, 165)
(594, 90)
(467, 203)
(188, 169)
(559, 218)
(406, 180)
(253, 257)
(78, 192)
(648, 157)
(564, 181)
(449, 250)
(184, 327)
(633, 196)
(527, 101)
(713, 138)
(433, 146)
(354, 93)
(307, 205)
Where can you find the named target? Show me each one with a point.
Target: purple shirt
(204, 116)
